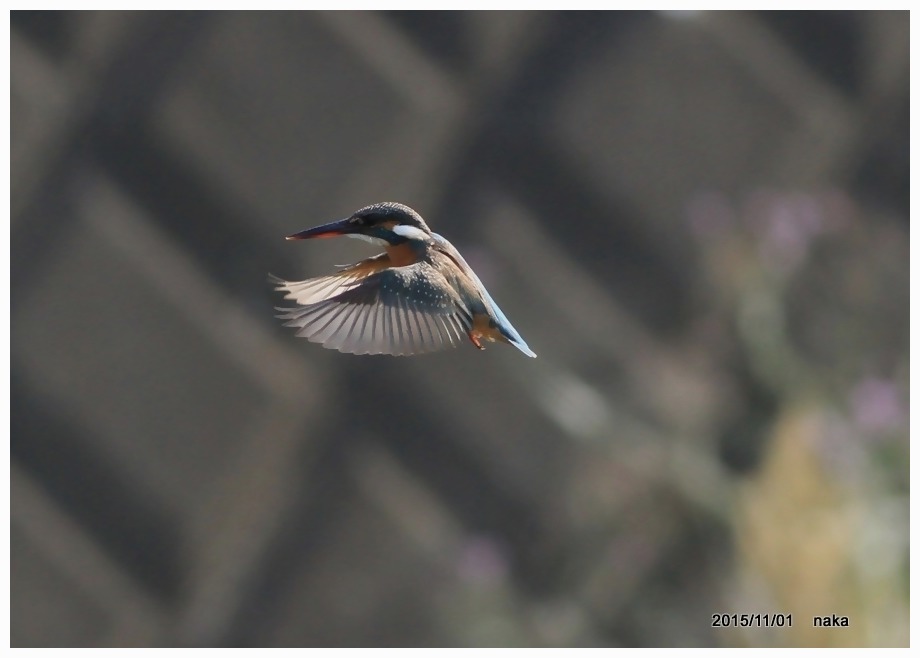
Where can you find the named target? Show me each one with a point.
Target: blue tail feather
(504, 326)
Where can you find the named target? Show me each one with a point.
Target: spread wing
(372, 309)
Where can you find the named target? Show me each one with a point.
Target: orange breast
(401, 255)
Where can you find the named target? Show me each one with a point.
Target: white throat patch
(366, 238)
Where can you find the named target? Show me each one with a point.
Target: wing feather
(390, 337)
(427, 338)
(446, 332)
(413, 334)
(366, 309)
(337, 338)
(431, 330)
(406, 339)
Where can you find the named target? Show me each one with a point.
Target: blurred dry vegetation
(699, 222)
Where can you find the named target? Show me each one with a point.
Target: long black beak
(331, 230)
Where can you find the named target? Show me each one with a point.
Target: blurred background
(699, 221)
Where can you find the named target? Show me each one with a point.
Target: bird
(418, 296)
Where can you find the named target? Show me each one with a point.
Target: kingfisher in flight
(419, 296)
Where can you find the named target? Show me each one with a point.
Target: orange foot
(474, 338)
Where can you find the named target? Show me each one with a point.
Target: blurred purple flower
(876, 405)
(482, 561)
(783, 224)
(787, 223)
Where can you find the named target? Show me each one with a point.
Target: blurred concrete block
(38, 100)
(47, 609)
(262, 117)
(103, 342)
(64, 590)
(368, 585)
(50, 97)
(663, 113)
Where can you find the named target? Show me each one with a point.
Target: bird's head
(381, 223)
